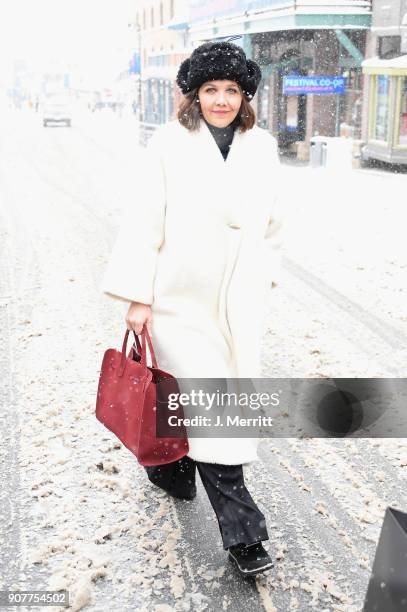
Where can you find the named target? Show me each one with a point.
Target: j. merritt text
(236, 421)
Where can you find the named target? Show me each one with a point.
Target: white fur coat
(206, 252)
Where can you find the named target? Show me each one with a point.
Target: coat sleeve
(130, 272)
(275, 227)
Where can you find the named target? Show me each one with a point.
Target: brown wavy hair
(189, 112)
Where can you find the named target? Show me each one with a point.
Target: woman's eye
(213, 89)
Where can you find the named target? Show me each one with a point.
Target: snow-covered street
(77, 510)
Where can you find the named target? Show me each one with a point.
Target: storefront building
(385, 72)
(386, 137)
(160, 27)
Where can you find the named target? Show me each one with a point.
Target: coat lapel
(227, 175)
(241, 182)
(213, 150)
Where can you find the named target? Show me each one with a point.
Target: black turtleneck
(223, 136)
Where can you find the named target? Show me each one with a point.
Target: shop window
(350, 106)
(403, 113)
(381, 107)
(292, 113)
(263, 105)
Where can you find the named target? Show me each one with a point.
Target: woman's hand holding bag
(139, 315)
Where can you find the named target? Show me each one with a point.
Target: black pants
(239, 519)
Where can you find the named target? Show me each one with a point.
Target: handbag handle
(138, 345)
(144, 335)
(142, 349)
(124, 348)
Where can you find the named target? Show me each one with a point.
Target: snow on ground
(83, 514)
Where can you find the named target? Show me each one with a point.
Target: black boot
(176, 478)
(250, 559)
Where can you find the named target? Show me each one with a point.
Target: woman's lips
(220, 112)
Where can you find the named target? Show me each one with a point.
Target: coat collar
(206, 140)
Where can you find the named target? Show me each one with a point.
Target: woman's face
(220, 101)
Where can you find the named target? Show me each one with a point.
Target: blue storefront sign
(297, 84)
(134, 64)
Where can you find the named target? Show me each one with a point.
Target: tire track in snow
(19, 283)
(362, 499)
(350, 503)
(359, 326)
(340, 492)
(309, 550)
(9, 428)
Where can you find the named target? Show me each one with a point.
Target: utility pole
(137, 27)
(140, 114)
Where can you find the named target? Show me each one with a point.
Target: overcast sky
(47, 33)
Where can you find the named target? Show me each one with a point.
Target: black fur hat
(219, 60)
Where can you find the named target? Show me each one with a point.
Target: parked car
(57, 109)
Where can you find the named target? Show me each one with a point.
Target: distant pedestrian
(194, 258)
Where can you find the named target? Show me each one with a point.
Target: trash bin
(318, 151)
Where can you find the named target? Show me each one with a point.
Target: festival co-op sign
(297, 84)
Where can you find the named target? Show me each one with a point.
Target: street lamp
(140, 115)
(137, 27)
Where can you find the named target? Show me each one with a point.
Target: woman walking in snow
(194, 258)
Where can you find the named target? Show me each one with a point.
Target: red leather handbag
(131, 399)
